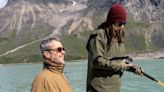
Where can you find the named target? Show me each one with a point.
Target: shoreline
(149, 55)
(20, 63)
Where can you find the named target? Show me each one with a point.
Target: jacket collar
(54, 67)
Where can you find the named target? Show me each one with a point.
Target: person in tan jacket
(51, 78)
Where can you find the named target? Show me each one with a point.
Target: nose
(122, 27)
(63, 51)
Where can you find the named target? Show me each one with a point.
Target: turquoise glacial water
(18, 77)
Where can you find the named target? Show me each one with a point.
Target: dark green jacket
(102, 75)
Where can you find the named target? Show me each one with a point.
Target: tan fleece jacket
(51, 79)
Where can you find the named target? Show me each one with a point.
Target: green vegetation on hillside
(138, 24)
(29, 53)
(135, 37)
(75, 47)
(135, 43)
(74, 44)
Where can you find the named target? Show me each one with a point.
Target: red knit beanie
(116, 14)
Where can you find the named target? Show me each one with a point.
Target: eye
(120, 24)
(60, 49)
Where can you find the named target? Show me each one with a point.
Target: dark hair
(112, 34)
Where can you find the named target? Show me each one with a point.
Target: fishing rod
(152, 78)
(130, 60)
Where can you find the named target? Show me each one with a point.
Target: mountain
(145, 22)
(24, 23)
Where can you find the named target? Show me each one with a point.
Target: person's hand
(121, 66)
(125, 65)
(136, 70)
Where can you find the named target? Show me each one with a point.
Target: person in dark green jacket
(106, 42)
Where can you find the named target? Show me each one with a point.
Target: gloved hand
(123, 65)
(136, 70)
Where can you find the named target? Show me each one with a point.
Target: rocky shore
(150, 55)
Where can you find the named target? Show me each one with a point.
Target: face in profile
(119, 26)
(56, 52)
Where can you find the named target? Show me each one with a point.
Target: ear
(46, 54)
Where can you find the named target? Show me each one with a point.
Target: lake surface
(18, 78)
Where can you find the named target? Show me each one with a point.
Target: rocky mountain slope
(24, 23)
